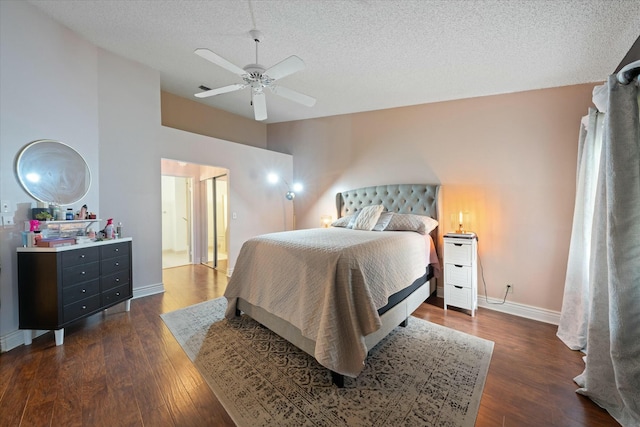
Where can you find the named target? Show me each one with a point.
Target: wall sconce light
(325, 221)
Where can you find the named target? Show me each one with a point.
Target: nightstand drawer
(457, 274)
(457, 296)
(458, 253)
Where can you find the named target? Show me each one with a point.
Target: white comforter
(329, 283)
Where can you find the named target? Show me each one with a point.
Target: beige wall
(191, 116)
(508, 160)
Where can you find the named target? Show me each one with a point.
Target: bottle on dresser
(109, 229)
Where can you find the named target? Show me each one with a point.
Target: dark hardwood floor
(125, 368)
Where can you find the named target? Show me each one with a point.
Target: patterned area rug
(421, 375)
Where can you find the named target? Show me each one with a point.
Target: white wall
(48, 80)
(55, 85)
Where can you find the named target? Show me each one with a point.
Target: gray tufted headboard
(419, 199)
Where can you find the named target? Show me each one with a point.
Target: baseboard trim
(15, 339)
(516, 309)
(145, 291)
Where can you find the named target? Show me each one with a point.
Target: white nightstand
(461, 271)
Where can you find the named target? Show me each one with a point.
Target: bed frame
(419, 199)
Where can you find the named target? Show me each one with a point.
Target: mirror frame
(62, 175)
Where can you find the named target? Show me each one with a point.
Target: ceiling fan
(258, 78)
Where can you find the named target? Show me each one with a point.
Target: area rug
(421, 375)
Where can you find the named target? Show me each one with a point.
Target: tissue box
(54, 243)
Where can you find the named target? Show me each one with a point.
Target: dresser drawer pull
(457, 287)
(117, 279)
(117, 264)
(82, 273)
(117, 249)
(457, 265)
(82, 256)
(457, 244)
(84, 307)
(84, 291)
(117, 294)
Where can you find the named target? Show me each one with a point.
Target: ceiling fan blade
(293, 95)
(285, 67)
(218, 91)
(259, 105)
(220, 61)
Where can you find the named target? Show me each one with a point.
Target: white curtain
(601, 306)
(574, 317)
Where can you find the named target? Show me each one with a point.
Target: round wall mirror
(53, 172)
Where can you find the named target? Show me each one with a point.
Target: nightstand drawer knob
(457, 244)
(457, 287)
(458, 265)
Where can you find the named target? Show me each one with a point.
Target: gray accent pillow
(383, 221)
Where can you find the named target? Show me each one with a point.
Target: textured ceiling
(364, 55)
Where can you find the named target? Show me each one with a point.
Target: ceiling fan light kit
(258, 78)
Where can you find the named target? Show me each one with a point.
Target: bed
(336, 292)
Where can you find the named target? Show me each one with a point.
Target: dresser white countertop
(76, 246)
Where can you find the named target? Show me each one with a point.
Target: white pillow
(429, 223)
(409, 222)
(368, 217)
(342, 222)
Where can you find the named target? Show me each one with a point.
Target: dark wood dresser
(58, 286)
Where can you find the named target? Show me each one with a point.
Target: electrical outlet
(7, 219)
(510, 289)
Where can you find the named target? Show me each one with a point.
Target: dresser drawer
(114, 250)
(81, 308)
(457, 274)
(458, 296)
(115, 295)
(458, 253)
(80, 273)
(112, 265)
(84, 290)
(80, 256)
(114, 280)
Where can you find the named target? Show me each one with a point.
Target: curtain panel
(601, 306)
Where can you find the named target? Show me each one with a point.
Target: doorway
(216, 209)
(176, 221)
